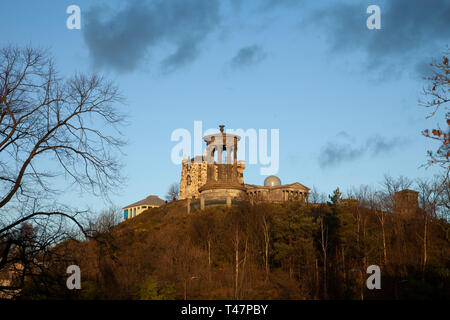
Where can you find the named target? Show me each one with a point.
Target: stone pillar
(202, 203)
(188, 206)
(235, 150)
(228, 201)
(219, 155)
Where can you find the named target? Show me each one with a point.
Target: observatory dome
(272, 181)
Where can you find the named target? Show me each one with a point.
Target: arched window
(188, 180)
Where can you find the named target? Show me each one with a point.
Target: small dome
(272, 181)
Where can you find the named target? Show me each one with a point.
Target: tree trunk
(185, 289)
(266, 251)
(344, 274)
(325, 275)
(236, 262)
(317, 278)
(291, 268)
(209, 259)
(242, 270)
(384, 244)
(425, 230)
(324, 244)
(383, 234)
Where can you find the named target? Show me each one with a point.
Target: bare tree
(390, 187)
(28, 253)
(324, 246)
(383, 202)
(380, 208)
(317, 197)
(444, 201)
(265, 224)
(430, 195)
(173, 193)
(106, 220)
(54, 131)
(436, 94)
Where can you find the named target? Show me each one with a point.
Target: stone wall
(223, 194)
(193, 176)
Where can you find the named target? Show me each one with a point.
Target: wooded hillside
(260, 251)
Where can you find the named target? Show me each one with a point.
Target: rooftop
(151, 200)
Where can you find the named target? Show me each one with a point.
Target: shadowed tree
(54, 132)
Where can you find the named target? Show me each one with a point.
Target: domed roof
(272, 181)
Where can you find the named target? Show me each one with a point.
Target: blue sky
(345, 98)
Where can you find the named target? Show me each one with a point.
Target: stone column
(235, 150)
(188, 205)
(202, 203)
(228, 201)
(219, 154)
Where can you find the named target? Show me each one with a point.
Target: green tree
(150, 291)
(336, 197)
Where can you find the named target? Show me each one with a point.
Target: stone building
(406, 201)
(274, 191)
(218, 178)
(193, 176)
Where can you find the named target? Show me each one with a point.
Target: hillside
(264, 251)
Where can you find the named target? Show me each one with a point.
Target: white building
(137, 208)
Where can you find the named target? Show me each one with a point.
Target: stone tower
(193, 176)
(194, 173)
(222, 175)
(406, 201)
